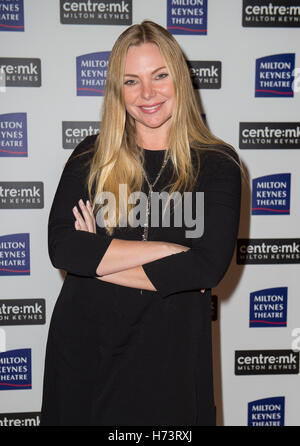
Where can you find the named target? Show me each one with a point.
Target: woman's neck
(154, 139)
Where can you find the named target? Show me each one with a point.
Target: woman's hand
(86, 221)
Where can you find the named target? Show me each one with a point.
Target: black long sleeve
(149, 358)
(204, 265)
(77, 252)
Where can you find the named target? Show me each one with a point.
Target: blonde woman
(130, 336)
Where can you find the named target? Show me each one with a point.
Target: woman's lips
(151, 108)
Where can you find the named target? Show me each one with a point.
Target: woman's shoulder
(218, 163)
(84, 148)
(81, 156)
(218, 156)
(218, 153)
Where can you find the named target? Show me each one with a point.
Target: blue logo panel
(274, 76)
(268, 308)
(12, 15)
(267, 412)
(187, 16)
(13, 135)
(15, 369)
(91, 73)
(271, 194)
(14, 255)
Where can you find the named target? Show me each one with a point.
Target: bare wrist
(174, 248)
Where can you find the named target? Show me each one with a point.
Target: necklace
(151, 186)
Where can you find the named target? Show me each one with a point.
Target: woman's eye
(162, 75)
(129, 82)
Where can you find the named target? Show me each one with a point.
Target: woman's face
(148, 89)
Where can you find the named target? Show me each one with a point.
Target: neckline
(145, 149)
(156, 150)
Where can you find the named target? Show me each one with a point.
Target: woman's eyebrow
(153, 72)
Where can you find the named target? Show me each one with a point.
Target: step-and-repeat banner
(244, 58)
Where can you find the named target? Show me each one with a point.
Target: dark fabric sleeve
(77, 252)
(205, 264)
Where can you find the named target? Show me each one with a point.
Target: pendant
(146, 224)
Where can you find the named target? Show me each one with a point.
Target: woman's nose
(147, 90)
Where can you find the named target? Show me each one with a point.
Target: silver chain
(151, 186)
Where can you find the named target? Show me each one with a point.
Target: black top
(119, 357)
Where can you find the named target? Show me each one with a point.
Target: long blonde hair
(116, 158)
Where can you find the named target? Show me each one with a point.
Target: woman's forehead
(145, 55)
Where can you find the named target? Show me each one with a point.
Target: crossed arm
(74, 246)
(121, 263)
